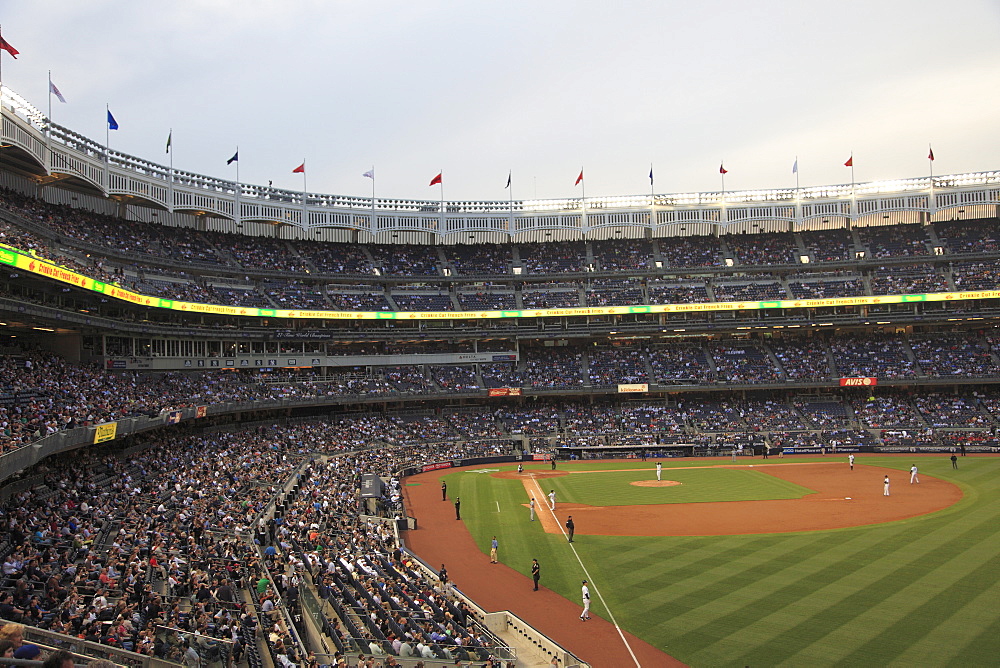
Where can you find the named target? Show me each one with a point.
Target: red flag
(579, 178)
(301, 169)
(5, 46)
(722, 170)
(850, 162)
(437, 179)
(930, 154)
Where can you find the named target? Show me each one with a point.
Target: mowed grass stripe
(853, 584)
(892, 627)
(985, 644)
(763, 610)
(905, 576)
(960, 632)
(637, 598)
(910, 608)
(691, 611)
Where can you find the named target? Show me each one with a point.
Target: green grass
(697, 485)
(921, 592)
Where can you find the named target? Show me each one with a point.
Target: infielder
(585, 593)
(913, 475)
(552, 500)
(532, 507)
(850, 460)
(885, 486)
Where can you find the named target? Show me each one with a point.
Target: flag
(722, 169)
(235, 158)
(370, 174)
(579, 178)
(850, 162)
(55, 91)
(437, 179)
(301, 169)
(930, 154)
(5, 46)
(650, 176)
(112, 123)
(174, 417)
(795, 166)
(170, 138)
(509, 174)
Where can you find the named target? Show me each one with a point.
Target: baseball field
(779, 562)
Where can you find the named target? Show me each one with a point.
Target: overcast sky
(478, 89)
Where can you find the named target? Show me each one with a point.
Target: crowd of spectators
(42, 394)
(763, 248)
(196, 252)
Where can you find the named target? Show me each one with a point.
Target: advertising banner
(858, 382)
(105, 432)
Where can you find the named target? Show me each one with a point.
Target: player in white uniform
(659, 470)
(913, 475)
(850, 460)
(532, 506)
(552, 500)
(585, 593)
(885, 486)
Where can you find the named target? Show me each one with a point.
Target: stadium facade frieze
(51, 152)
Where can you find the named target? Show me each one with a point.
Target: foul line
(590, 578)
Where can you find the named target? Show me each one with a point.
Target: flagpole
(798, 191)
(930, 164)
(583, 202)
(510, 194)
(237, 217)
(722, 173)
(652, 193)
(107, 147)
(48, 131)
(170, 147)
(441, 215)
(372, 228)
(305, 189)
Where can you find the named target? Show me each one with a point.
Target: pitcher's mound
(655, 483)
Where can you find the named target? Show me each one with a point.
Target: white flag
(55, 91)
(369, 174)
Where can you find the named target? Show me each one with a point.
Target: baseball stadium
(249, 426)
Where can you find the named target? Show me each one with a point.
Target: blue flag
(112, 123)
(235, 158)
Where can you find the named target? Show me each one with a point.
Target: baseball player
(659, 470)
(532, 507)
(913, 475)
(585, 593)
(885, 486)
(552, 500)
(850, 460)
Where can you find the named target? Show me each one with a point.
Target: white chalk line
(590, 579)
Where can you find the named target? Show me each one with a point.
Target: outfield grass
(919, 592)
